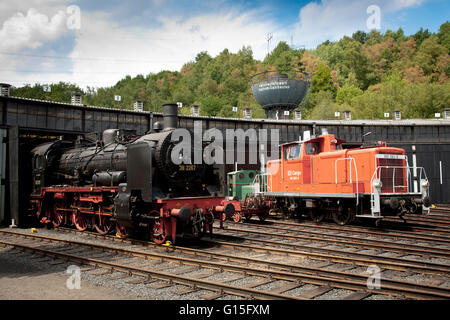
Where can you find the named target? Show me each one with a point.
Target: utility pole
(269, 37)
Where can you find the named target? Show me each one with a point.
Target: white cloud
(104, 52)
(31, 30)
(332, 19)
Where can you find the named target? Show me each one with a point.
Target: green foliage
(374, 37)
(360, 36)
(421, 35)
(347, 93)
(60, 92)
(398, 36)
(428, 54)
(444, 35)
(321, 81)
(323, 106)
(211, 105)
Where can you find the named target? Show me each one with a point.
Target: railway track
(293, 275)
(321, 254)
(396, 232)
(292, 232)
(433, 224)
(341, 256)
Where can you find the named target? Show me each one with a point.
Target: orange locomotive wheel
(236, 217)
(58, 217)
(102, 224)
(121, 231)
(159, 234)
(80, 220)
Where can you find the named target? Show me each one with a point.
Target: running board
(369, 216)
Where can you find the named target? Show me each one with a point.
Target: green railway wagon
(240, 183)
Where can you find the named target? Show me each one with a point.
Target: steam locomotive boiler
(126, 181)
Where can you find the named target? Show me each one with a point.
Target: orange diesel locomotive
(319, 177)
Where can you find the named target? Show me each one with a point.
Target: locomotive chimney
(170, 113)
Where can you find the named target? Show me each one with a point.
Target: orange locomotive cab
(319, 176)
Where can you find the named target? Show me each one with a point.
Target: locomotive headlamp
(377, 184)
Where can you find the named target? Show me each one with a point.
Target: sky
(97, 43)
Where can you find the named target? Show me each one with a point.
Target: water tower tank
(278, 92)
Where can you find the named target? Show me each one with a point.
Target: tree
(428, 54)
(374, 37)
(211, 105)
(414, 74)
(360, 36)
(323, 106)
(421, 35)
(277, 52)
(322, 79)
(444, 35)
(60, 92)
(347, 93)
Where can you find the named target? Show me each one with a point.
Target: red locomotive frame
(94, 206)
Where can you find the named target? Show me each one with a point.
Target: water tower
(279, 92)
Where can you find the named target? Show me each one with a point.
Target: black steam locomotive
(126, 181)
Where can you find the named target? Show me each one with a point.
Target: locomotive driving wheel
(58, 217)
(102, 224)
(80, 221)
(342, 215)
(316, 215)
(159, 232)
(121, 231)
(263, 216)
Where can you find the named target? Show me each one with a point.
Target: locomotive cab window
(312, 148)
(293, 152)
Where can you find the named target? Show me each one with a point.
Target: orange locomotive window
(312, 148)
(293, 152)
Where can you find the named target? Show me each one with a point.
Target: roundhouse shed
(24, 123)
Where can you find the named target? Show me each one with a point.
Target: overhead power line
(88, 59)
(72, 72)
